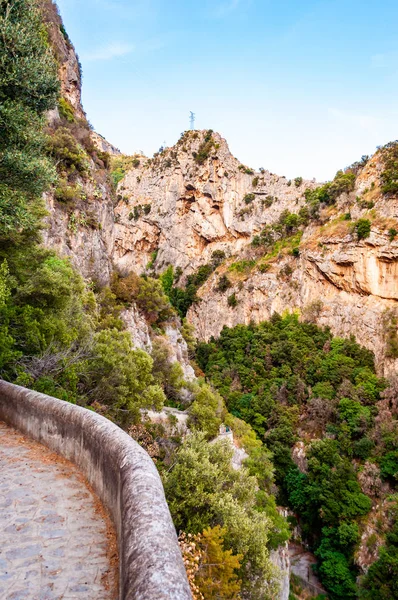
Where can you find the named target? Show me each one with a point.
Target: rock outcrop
(184, 210)
(195, 198)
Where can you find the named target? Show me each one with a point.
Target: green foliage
(389, 175)
(167, 280)
(381, 580)
(392, 234)
(255, 181)
(223, 284)
(389, 465)
(232, 300)
(354, 414)
(205, 410)
(69, 156)
(120, 165)
(241, 266)
(205, 148)
(362, 228)
(183, 298)
(28, 87)
(148, 295)
(298, 181)
(154, 256)
(66, 110)
(203, 490)
(287, 228)
(248, 199)
(272, 376)
(121, 377)
(343, 182)
(167, 373)
(68, 193)
(188, 333)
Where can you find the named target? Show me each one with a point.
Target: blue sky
(299, 87)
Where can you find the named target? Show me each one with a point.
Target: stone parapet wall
(124, 477)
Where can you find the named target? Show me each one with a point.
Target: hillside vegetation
(319, 427)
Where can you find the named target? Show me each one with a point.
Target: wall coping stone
(125, 479)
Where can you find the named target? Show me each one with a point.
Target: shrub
(241, 266)
(249, 198)
(68, 154)
(217, 257)
(392, 234)
(232, 300)
(147, 293)
(205, 410)
(121, 377)
(298, 181)
(255, 181)
(223, 284)
(267, 202)
(343, 182)
(203, 490)
(68, 193)
(362, 228)
(66, 110)
(205, 148)
(120, 165)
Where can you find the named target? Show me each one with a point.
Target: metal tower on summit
(192, 120)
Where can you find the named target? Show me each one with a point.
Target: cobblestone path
(56, 542)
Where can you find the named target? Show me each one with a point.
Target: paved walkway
(55, 540)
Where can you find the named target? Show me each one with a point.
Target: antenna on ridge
(192, 120)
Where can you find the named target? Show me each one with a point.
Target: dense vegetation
(272, 384)
(183, 297)
(53, 333)
(292, 380)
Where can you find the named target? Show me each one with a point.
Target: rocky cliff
(193, 199)
(196, 198)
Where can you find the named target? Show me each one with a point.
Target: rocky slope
(179, 212)
(195, 198)
(184, 208)
(347, 284)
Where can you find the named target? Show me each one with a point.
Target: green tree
(29, 86)
(121, 377)
(217, 577)
(205, 410)
(203, 490)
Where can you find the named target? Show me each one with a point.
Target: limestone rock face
(347, 284)
(179, 349)
(85, 233)
(185, 211)
(138, 328)
(102, 144)
(281, 559)
(195, 198)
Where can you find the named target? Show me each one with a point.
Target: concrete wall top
(124, 477)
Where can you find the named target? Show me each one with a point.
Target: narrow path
(56, 542)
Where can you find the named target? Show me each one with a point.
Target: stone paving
(56, 542)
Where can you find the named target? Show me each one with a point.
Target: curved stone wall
(124, 477)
